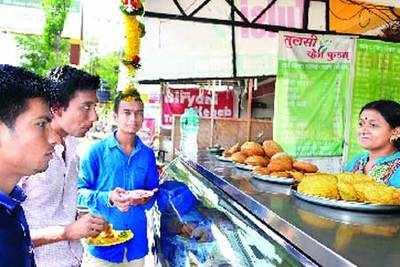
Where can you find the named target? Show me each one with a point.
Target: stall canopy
(207, 39)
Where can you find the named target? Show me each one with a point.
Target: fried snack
(280, 174)
(322, 185)
(282, 156)
(229, 152)
(304, 167)
(348, 182)
(261, 170)
(108, 231)
(257, 161)
(353, 178)
(110, 237)
(279, 165)
(252, 149)
(376, 193)
(347, 191)
(298, 176)
(271, 148)
(238, 157)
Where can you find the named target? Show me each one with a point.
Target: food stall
(274, 227)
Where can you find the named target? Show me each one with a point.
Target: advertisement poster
(376, 77)
(177, 100)
(310, 97)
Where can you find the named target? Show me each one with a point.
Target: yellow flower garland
(132, 37)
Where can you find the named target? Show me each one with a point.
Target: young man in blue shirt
(113, 175)
(26, 146)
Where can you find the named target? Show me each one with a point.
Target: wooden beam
(250, 85)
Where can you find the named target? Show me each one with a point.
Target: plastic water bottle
(189, 124)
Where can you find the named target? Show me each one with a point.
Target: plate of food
(350, 191)
(283, 177)
(225, 159)
(347, 205)
(110, 237)
(274, 179)
(244, 167)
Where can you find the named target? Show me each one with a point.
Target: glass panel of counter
(202, 226)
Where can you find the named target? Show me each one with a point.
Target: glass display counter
(247, 222)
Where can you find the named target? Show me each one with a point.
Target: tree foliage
(41, 53)
(107, 67)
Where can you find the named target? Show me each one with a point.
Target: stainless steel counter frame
(258, 204)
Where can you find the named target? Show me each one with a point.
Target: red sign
(177, 100)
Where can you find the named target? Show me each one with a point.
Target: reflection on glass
(199, 228)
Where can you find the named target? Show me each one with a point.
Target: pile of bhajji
(353, 187)
(269, 159)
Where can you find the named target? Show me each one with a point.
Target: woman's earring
(396, 135)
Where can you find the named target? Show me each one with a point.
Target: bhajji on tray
(252, 149)
(353, 187)
(269, 159)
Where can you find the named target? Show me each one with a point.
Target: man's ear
(4, 132)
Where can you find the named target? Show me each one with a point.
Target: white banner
(315, 47)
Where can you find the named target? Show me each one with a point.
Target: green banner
(309, 107)
(376, 77)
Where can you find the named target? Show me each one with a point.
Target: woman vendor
(379, 134)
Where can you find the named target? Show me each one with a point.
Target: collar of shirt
(112, 142)
(58, 150)
(381, 160)
(70, 144)
(13, 200)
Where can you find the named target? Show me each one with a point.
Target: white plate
(347, 205)
(244, 167)
(274, 179)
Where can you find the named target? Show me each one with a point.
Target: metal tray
(225, 159)
(274, 179)
(347, 205)
(244, 167)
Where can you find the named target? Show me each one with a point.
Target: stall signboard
(377, 77)
(312, 84)
(177, 100)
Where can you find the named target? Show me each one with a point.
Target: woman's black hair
(390, 111)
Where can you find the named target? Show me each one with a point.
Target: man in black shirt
(26, 146)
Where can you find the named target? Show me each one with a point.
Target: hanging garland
(134, 30)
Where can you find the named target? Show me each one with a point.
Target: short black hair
(17, 86)
(126, 95)
(66, 81)
(390, 111)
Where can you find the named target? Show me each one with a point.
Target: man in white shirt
(51, 195)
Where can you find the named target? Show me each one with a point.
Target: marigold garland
(132, 37)
(133, 30)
